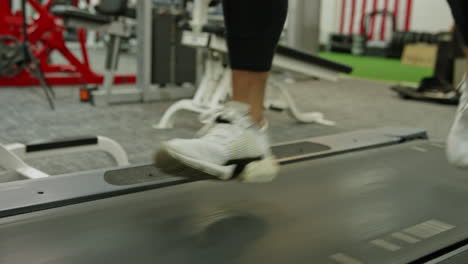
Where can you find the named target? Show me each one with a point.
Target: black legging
(253, 31)
(460, 13)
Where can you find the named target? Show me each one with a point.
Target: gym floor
(352, 103)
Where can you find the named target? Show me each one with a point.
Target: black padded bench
(71, 12)
(305, 57)
(106, 11)
(286, 51)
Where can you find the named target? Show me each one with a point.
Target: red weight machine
(46, 35)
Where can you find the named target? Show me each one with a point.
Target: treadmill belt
(387, 205)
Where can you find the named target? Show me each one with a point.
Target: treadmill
(371, 196)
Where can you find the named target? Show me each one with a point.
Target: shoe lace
(222, 131)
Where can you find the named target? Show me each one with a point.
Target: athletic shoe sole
(174, 163)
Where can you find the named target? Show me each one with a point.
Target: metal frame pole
(303, 29)
(144, 52)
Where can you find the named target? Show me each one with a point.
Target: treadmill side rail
(353, 141)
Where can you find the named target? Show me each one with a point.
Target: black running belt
(386, 205)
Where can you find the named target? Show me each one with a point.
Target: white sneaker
(457, 143)
(231, 146)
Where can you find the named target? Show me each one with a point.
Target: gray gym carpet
(353, 104)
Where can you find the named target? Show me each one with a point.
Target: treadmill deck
(387, 205)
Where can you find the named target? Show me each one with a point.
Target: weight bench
(215, 86)
(109, 19)
(12, 156)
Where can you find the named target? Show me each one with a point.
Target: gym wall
(345, 16)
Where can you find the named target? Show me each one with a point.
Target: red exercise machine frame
(45, 35)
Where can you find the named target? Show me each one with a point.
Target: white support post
(11, 156)
(200, 15)
(223, 90)
(12, 163)
(214, 89)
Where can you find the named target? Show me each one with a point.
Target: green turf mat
(376, 68)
